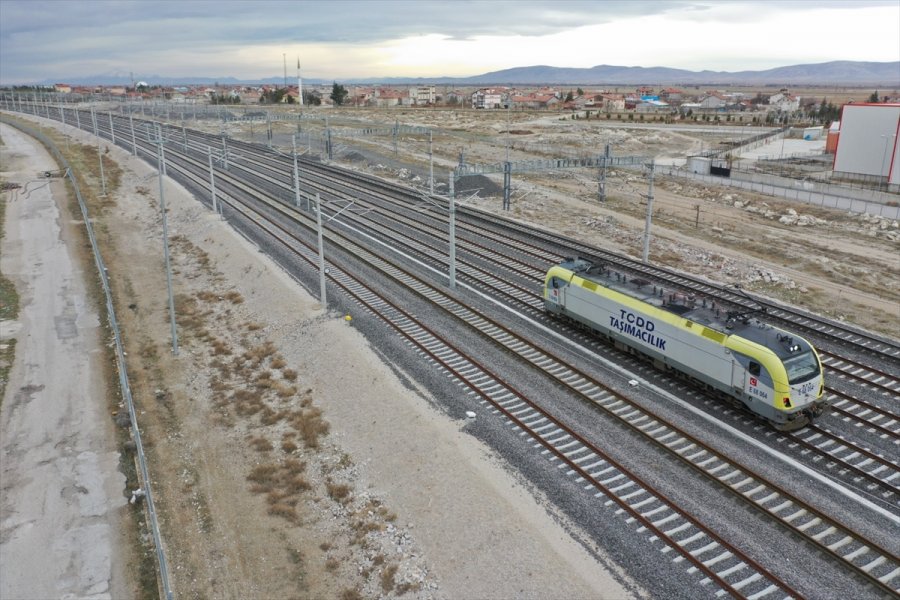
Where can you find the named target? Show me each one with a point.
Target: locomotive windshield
(802, 367)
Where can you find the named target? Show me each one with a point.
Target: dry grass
(351, 594)
(278, 362)
(289, 374)
(284, 511)
(387, 578)
(339, 492)
(311, 426)
(332, 564)
(264, 474)
(261, 444)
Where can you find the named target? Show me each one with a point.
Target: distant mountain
(843, 72)
(830, 73)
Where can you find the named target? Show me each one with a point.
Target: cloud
(56, 40)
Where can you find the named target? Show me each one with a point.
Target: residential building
(489, 98)
(423, 94)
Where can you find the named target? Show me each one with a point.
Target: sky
(335, 39)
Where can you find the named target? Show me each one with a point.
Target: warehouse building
(868, 147)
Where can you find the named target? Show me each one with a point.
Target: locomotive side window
(754, 369)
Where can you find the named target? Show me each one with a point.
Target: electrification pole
(646, 255)
(212, 180)
(296, 172)
(161, 169)
(99, 150)
(321, 254)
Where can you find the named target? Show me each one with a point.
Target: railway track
(831, 537)
(880, 569)
(857, 464)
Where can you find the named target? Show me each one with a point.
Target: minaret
(299, 84)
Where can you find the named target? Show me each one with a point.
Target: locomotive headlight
(786, 401)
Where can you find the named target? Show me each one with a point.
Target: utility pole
(430, 164)
(133, 140)
(646, 255)
(161, 169)
(99, 150)
(212, 180)
(508, 104)
(296, 172)
(396, 133)
(452, 236)
(601, 183)
(321, 254)
(224, 152)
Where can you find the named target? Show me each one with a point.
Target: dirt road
(61, 489)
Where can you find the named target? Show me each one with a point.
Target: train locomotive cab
(778, 375)
(772, 372)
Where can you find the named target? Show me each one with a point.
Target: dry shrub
(261, 488)
(288, 446)
(338, 491)
(407, 587)
(378, 560)
(283, 510)
(296, 484)
(311, 425)
(207, 296)
(234, 297)
(276, 496)
(264, 384)
(261, 444)
(332, 564)
(351, 594)
(220, 347)
(264, 474)
(248, 409)
(148, 351)
(284, 391)
(325, 546)
(270, 417)
(252, 326)
(294, 467)
(387, 578)
(289, 374)
(278, 362)
(185, 305)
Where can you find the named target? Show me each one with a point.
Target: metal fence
(773, 186)
(120, 354)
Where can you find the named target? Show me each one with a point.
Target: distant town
(641, 103)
